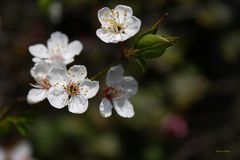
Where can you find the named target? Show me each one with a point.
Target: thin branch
(99, 74)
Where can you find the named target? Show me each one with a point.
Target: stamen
(44, 83)
(113, 25)
(72, 89)
(125, 13)
(56, 57)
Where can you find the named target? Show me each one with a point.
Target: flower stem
(162, 18)
(99, 74)
(123, 50)
(124, 56)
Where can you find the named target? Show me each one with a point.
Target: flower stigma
(110, 93)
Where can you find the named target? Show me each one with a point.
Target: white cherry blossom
(119, 89)
(40, 74)
(71, 88)
(21, 151)
(117, 24)
(57, 49)
(2, 154)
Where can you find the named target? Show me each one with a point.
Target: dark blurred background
(188, 104)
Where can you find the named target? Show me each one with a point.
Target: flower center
(118, 28)
(110, 93)
(113, 25)
(45, 84)
(72, 89)
(55, 57)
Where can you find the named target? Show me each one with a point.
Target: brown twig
(123, 51)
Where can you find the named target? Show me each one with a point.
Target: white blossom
(21, 151)
(119, 89)
(40, 74)
(117, 24)
(57, 49)
(2, 154)
(71, 88)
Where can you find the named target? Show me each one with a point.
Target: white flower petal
(133, 26)
(40, 70)
(124, 108)
(105, 108)
(124, 12)
(129, 85)
(57, 64)
(68, 61)
(117, 38)
(78, 104)
(58, 77)
(21, 151)
(89, 88)
(124, 37)
(74, 48)
(35, 59)
(105, 36)
(57, 40)
(110, 37)
(36, 95)
(103, 13)
(39, 51)
(77, 73)
(57, 97)
(115, 75)
(2, 154)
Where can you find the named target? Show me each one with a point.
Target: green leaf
(20, 123)
(5, 126)
(142, 63)
(153, 29)
(22, 129)
(152, 46)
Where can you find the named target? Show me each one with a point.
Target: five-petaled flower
(40, 74)
(57, 49)
(71, 88)
(118, 24)
(119, 89)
